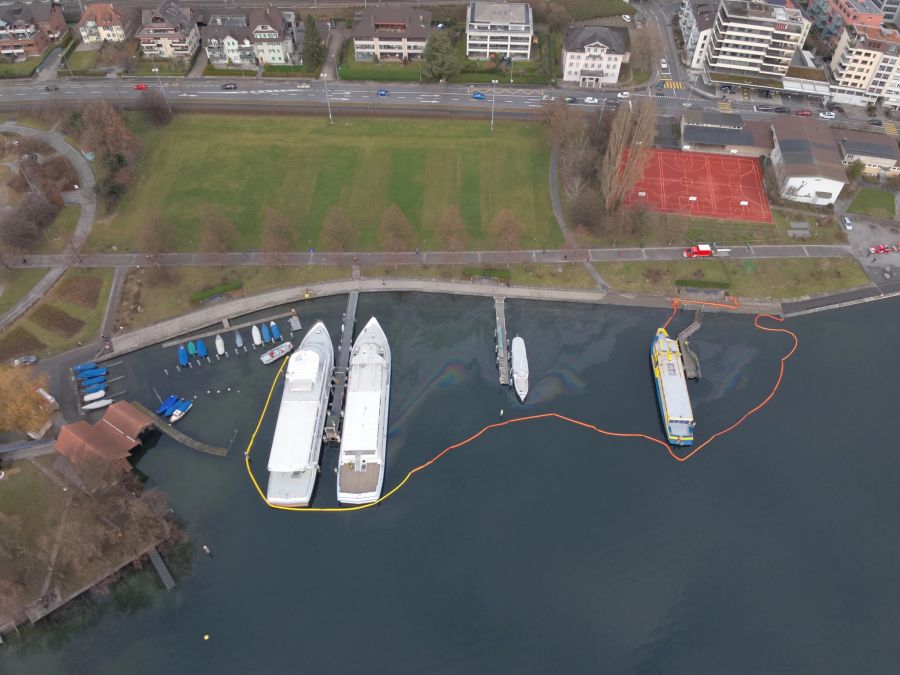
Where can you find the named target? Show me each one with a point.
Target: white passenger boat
(297, 443)
(364, 434)
(220, 345)
(519, 368)
(256, 335)
(276, 352)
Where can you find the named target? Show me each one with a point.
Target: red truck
(698, 251)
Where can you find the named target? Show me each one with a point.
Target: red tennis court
(702, 184)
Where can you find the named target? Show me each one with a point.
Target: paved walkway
(82, 228)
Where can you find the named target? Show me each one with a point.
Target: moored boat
(183, 359)
(181, 410)
(266, 334)
(256, 335)
(520, 368)
(90, 374)
(297, 442)
(93, 388)
(276, 331)
(201, 349)
(220, 345)
(169, 409)
(238, 340)
(671, 389)
(166, 403)
(364, 434)
(94, 396)
(276, 353)
(91, 381)
(90, 365)
(192, 348)
(97, 405)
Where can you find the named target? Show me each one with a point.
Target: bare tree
(507, 230)
(337, 231)
(22, 227)
(560, 122)
(576, 162)
(627, 152)
(395, 231)
(154, 104)
(451, 231)
(278, 235)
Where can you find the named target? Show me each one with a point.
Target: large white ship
(519, 368)
(364, 435)
(297, 444)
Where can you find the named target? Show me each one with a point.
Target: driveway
(333, 42)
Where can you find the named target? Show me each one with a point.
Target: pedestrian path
(725, 106)
(890, 127)
(671, 84)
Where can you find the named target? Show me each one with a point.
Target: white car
(623, 94)
(303, 85)
(663, 64)
(591, 99)
(826, 115)
(626, 18)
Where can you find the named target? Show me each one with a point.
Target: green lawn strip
(274, 70)
(166, 68)
(783, 278)
(33, 122)
(566, 275)
(170, 296)
(84, 60)
(533, 71)
(57, 235)
(24, 68)
(873, 202)
(56, 341)
(382, 71)
(16, 283)
(591, 9)
(304, 166)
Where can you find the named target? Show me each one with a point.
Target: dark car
(571, 99)
(478, 96)
(229, 86)
(383, 93)
(782, 109)
(876, 123)
(764, 108)
(834, 107)
(51, 87)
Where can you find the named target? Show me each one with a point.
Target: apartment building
(866, 66)
(499, 28)
(754, 39)
(890, 10)
(830, 16)
(102, 22)
(168, 32)
(878, 153)
(391, 33)
(593, 55)
(696, 19)
(28, 29)
(249, 37)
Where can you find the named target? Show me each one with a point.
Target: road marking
(454, 99)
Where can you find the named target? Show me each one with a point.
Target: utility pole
(493, 98)
(327, 98)
(159, 81)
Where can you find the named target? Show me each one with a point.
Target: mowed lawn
(301, 167)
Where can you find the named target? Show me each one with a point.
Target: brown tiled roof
(808, 149)
(418, 23)
(112, 438)
(102, 14)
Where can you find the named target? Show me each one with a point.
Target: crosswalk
(890, 127)
(725, 106)
(670, 84)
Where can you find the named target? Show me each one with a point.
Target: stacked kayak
(201, 349)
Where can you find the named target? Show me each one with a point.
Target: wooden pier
(335, 418)
(688, 357)
(184, 439)
(502, 348)
(226, 326)
(164, 575)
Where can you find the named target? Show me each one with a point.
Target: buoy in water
(501, 412)
(206, 636)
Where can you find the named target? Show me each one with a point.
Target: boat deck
(291, 488)
(359, 482)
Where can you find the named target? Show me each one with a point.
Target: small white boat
(276, 353)
(97, 405)
(519, 368)
(96, 396)
(181, 410)
(256, 335)
(220, 345)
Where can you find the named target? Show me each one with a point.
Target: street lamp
(327, 98)
(159, 82)
(493, 98)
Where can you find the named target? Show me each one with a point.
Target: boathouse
(110, 440)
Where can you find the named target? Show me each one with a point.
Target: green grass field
(15, 284)
(873, 202)
(84, 60)
(785, 278)
(57, 235)
(591, 9)
(566, 275)
(301, 167)
(351, 69)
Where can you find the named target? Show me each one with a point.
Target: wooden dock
(164, 575)
(226, 326)
(333, 426)
(502, 347)
(184, 439)
(688, 357)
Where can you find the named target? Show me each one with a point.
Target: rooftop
(496, 12)
(102, 14)
(578, 37)
(375, 22)
(807, 148)
(712, 118)
(867, 144)
(767, 11)
(877, 38)
(704, 14)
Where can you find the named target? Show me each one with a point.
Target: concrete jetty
(184, 439)
(226, 325)
(333, 426)
(688, 357)
(164, 575)
(502, 340)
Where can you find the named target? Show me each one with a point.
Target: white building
(168, 32)
(250, 37)
(495, 28)
(866, 66)
(593, 55)
(878, 152)
(696, 19)
(806, 161)
(101, 22)
(755, 39)
(391, 33)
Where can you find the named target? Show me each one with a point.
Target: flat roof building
(494, 28)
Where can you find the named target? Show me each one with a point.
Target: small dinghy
(84, 384)
(94, 396)
(192, 348)
(93, 372)
(97, 405)
(201, 349)
(165, 404)
(276, 332)
(94, 388)
(182, 356)
(220, 345)
(90, 365)
(257, 336)
(238, 340)
(266, 334)
(181, 410)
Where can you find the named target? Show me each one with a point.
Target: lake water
(540, 547)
